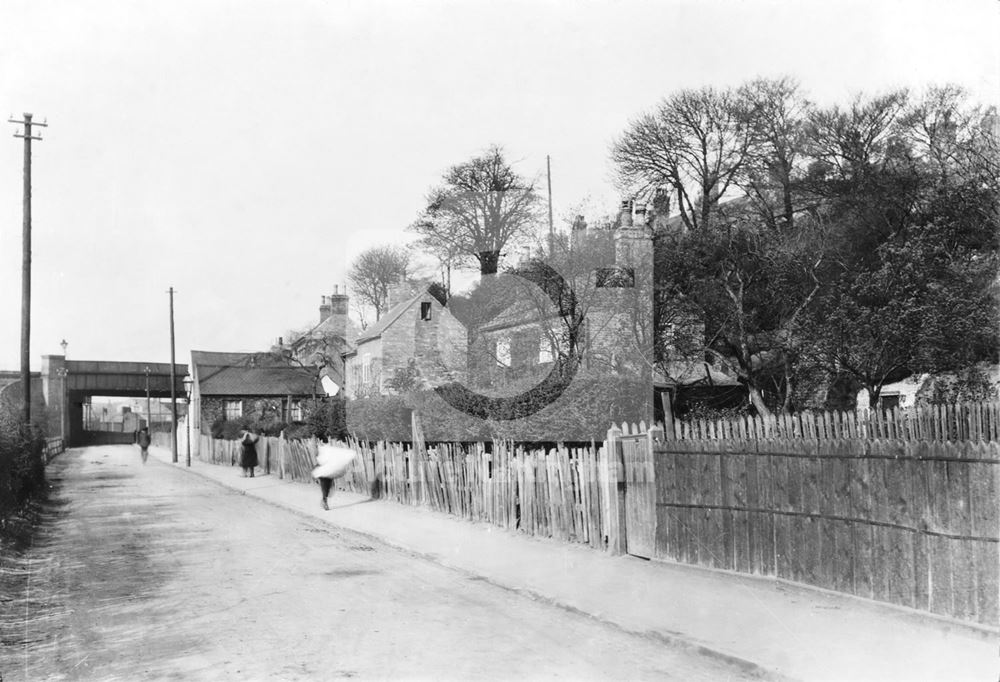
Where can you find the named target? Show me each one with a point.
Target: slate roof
(686, 373)
(250, 374)
(375, 331)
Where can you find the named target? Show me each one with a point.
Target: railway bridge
(68, 385)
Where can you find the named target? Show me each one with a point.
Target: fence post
(611, 467)
(668, 415)
(418, 456)
(282, 447)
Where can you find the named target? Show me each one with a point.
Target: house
(897, 394)
(984, 377)
(325, 344)
(605, 295)
(416, 333)
(230, 386)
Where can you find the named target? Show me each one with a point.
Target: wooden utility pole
(548, 176)
(26, 267)
(149, 415)
(173, 384)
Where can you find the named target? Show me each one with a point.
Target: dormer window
(425, 311)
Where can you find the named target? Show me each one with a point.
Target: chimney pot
(626, 215)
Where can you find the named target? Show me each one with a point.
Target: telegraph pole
(173, 383)
(26, 266)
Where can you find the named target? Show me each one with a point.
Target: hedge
(577, 411)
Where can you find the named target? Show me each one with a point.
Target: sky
(244, 151)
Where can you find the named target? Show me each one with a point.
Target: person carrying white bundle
(334, 460)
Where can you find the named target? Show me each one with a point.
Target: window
(295, 411)
(889, 401)
(425, 311)
(544, 351)
(234, 409)
(503, 353)
(366, 368)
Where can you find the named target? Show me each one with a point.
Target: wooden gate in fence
(633, 449)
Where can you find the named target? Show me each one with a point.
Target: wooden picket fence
(899, 506)
(554, 493)
(959, 422)
(549, 493)
(287, 459)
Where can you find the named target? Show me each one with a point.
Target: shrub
(325, 418)
(22, 468)
(379, 418)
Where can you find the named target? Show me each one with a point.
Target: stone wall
(438, 345)
(370, 352)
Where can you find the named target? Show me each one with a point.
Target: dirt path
(147, 572)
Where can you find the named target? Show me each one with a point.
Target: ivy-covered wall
(320, 417)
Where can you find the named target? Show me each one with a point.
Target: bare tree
(955, 139)
(776, 114)
(373, 272)
(439, 243)
(694, 144)
(856, 140)
(482, 206)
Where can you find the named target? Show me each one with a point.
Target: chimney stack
(324, 309)
(338, 311)
(399, 291)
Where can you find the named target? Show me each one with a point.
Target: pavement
(770, 628)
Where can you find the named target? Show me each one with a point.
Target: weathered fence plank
(899, 506)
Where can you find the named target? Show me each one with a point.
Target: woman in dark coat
(248, 458)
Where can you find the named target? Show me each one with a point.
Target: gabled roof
(325, 328)
(520, 313)
(393, 314)
(250, 374)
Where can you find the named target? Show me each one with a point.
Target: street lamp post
(63, 373)
(188, 384)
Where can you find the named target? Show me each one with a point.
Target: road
(149, 572)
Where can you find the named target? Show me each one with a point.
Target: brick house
(417, 330)
(231, 386)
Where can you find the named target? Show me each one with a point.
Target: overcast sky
(244, 151)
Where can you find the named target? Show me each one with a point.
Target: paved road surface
(147, 572)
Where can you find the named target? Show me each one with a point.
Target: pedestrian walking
(144, 439)
(332, 462)
(248, 458)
